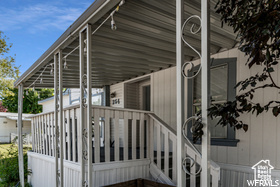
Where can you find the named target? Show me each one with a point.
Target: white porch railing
(118, 135)
(196, 156)
(121, 134)
(163, 150)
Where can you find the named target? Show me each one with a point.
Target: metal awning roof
(144, 42)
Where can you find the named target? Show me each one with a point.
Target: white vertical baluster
(142, 135)
(72, 117)
(107, 136)
(125, 143)
(134, 135)
(174, 158)
(96, 136)
(158, 145)
(117, 138)
(43, 133)
(152, 141)
(166, 152)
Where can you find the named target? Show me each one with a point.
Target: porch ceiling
(144, 42)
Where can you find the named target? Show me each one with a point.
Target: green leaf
(245, 127)
(275, 111)
(270, 69)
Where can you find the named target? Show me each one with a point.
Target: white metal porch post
(205, 91)
(89, 106)
(85, 107)
(61, 121)
(82, 110)
(19, 126)
(181, 175)
(56, 119)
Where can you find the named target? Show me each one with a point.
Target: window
(222, 82)
(97, 99)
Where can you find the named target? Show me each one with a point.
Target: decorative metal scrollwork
(85, 133)
(196, 128)
(85, 136)
(192, 164)
(58, 177)
(193, 30)
(186, 123)
(85, 155)
(84, 85)
(85, 184)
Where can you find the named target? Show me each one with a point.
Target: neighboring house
(8, 125)
(136, 64)
(72, 96)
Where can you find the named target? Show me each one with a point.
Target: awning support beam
(181, 175)
(20, 143)
(58, 117)
(205, 91)
(61, 121)
(85, 106)
(89, 107)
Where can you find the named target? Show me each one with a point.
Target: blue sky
(32, 26)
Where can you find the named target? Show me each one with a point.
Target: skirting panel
(43, 171)
(238, 175)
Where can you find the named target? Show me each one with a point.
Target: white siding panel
(261, 141)
(103, 174)
(278, 126)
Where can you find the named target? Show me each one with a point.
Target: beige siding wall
(132, 96)
(261, 141)
(164, 95)
(118, 89)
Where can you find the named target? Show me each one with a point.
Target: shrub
(9, 169)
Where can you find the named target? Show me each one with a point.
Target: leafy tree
(257, 24)
(8, 70)
(2, 108)
(30, 100)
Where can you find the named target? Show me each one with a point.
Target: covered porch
(112, 42)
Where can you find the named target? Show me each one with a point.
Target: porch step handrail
(191, 150)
